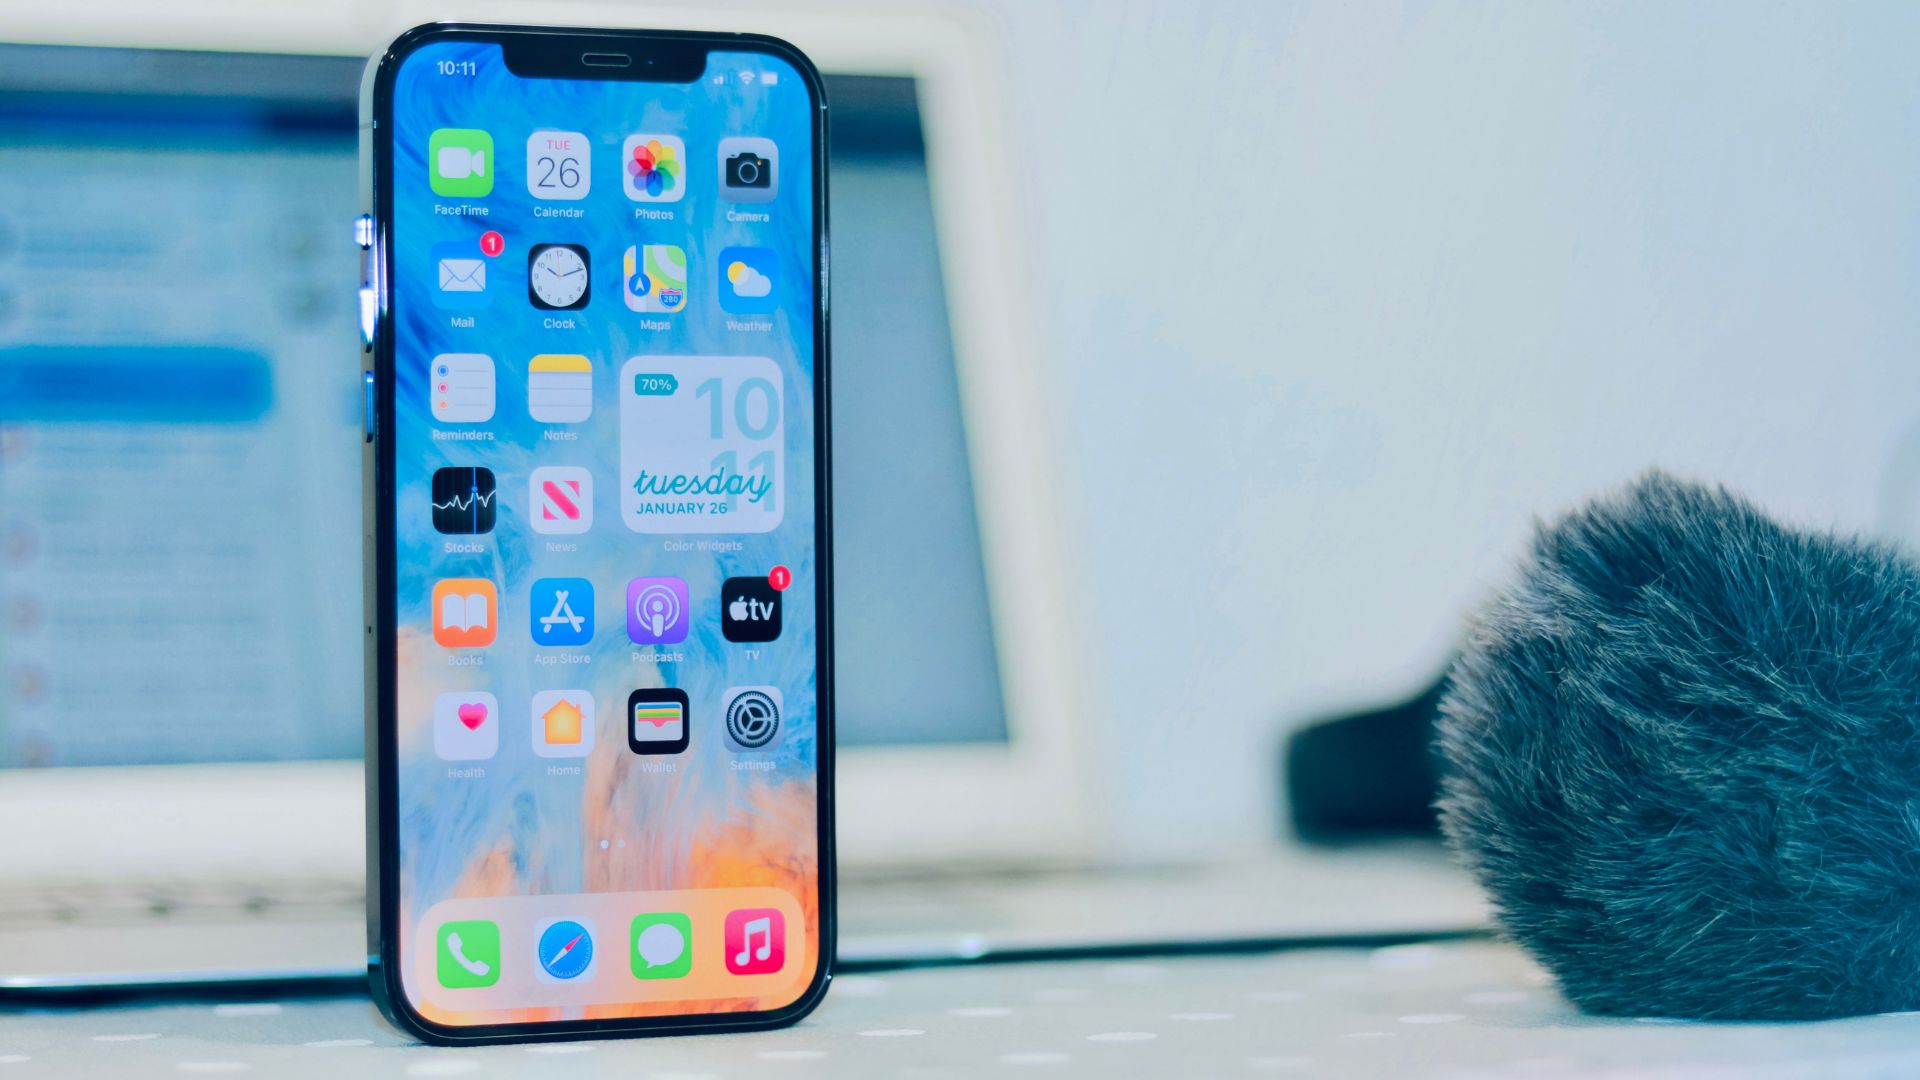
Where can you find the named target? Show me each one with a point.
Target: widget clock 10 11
(600, 400)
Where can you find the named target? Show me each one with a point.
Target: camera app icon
(749, 169)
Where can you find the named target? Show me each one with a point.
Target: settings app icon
(753, 717)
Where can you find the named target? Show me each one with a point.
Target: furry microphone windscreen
(1683, 758)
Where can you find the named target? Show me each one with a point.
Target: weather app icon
(749, 280)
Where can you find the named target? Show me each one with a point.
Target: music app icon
(756, 941)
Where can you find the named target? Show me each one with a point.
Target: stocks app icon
(463, 500)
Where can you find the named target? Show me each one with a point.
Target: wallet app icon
(657, 720)
(459, 274)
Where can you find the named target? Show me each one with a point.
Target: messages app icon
(460, 162)
(661, 945)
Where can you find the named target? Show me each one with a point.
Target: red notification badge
(780, 577)
(492, 243)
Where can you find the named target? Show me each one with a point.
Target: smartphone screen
(606, 535)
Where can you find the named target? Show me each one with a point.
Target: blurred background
(1310, 310)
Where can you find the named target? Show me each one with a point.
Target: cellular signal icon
(463, 500)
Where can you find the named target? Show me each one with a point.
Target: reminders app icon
(657, 721)
(460, 388)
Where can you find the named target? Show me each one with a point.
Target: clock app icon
(558, 277)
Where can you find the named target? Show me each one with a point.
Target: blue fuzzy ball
(1684, 759)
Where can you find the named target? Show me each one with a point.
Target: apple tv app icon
(749, 609)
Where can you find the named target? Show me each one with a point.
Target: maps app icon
(654, 277)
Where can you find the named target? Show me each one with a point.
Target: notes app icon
(463, 612)
(755, 941)
(560, 389)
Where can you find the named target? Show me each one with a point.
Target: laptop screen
(180, 418)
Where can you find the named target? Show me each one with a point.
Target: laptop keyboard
(120, 903)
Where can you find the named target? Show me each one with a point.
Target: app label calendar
(701, 441)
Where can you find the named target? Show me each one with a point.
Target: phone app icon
(654, 168)
(752, 716)
(755, 940)
(466, 726)
(562, 611)
(662, 945)
(463, 500)
(460, 274)
(559, 277)
(563, 723)
(560, 388)
(565, 951)
(749, 609)
(460, 162)
(558, 165)
(749, 280)
(460, 390)
(657, 610)
(562, 499)
(657, 720)
(469, 954)
(749, 169)
(463, 612)
(654, 277)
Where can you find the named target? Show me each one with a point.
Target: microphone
(1682, 754)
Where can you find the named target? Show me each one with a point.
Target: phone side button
(366, 379)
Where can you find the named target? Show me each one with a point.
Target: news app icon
(755, 940)
(657, 721)
(463, 500)
(657, 610)
(561, 498)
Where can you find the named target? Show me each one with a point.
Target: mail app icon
(460, 272)
(463, 275)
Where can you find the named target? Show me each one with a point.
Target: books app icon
(463, 612)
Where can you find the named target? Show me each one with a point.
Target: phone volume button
(366, 380)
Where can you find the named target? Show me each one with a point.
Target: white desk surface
(1473, 1009)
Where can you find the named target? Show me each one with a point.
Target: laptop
(180, 668)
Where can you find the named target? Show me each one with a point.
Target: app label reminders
(702, 444)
